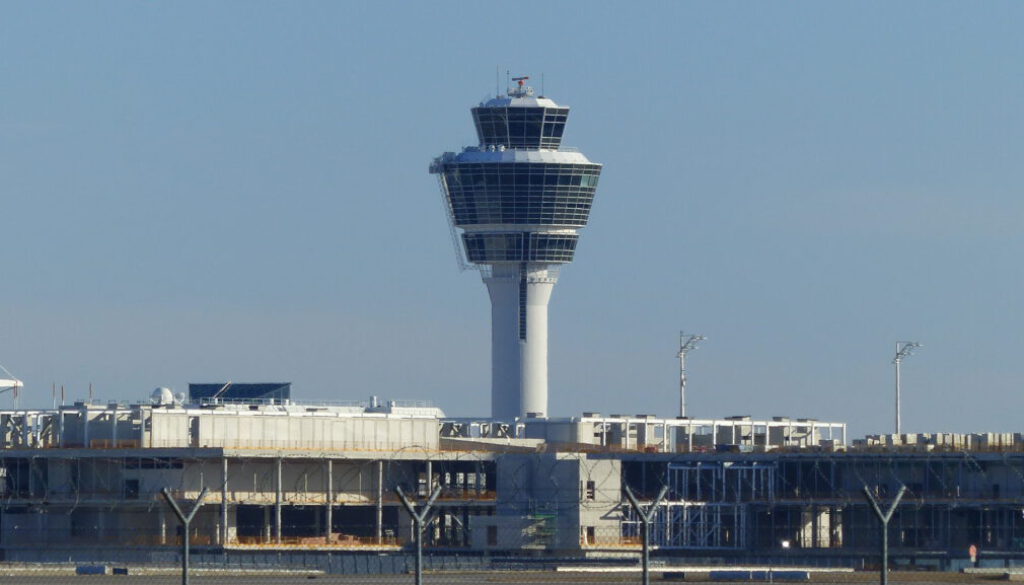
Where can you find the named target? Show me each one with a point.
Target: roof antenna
(508, 81)
(520, 90)
(497, 84)
(541, 84)
(222, 390)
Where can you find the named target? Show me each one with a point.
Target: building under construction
(286, 477)
(84, 481)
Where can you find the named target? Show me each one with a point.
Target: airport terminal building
(282, 476)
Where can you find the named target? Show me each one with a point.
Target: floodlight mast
(903, 349)
(686, 344)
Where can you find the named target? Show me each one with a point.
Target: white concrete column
(534, 393)
(519, 359)
(162, 520)
(380, 502)
(330, 500)
(85, 426)
(503, 288)
(143, 415)
(278, 500)
(224, 502)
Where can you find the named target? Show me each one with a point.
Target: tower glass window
(519, 127)
(521, 193)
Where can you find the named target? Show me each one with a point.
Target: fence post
(884, 517)
(646, 515)
(186, 520)
(418, 519)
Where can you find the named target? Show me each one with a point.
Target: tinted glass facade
(521, 193)
(234, 392)
(521, 127)
(520, 247)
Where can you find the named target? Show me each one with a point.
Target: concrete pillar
(224, 503)
(503, 288)
(162, 524)
(519, 338)
(330, 501)
(278, 496)
(85, 426)
(380, 501)
(836, 525)
(113, 428)
(143, 415)
(534, 393)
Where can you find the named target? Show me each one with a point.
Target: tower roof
(520, 101)
(475, 154)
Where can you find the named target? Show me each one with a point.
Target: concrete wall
(550, 500)
(294, 431)
(267, 427)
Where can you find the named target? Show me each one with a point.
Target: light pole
(903, 349)
(686, 343)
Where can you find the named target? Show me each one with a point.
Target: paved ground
(516, 577)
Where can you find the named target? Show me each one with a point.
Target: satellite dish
(10, 382)
(162, 397)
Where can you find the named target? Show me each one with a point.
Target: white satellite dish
(10, 382)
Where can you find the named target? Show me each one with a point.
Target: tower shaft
(519, 339)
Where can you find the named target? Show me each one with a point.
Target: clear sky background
(239, 191)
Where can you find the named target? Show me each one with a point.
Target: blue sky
(239, 191)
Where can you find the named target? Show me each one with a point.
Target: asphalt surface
(476, 578)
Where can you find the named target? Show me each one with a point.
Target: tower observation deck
(519, 199)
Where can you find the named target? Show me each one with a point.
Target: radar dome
(162, 397)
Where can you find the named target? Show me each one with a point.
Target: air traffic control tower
(519, 199)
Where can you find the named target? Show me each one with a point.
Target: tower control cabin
(519, 199)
